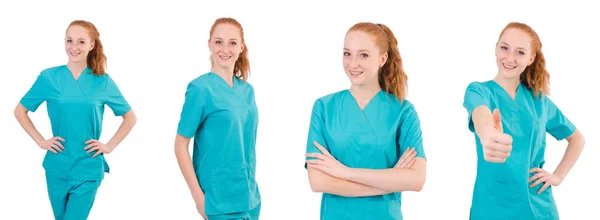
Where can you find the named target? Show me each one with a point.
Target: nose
(354, 62)
(510, 57)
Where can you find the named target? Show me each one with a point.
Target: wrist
(348, 173)
(561, 176)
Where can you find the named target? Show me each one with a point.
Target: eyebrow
(509, 45)
(359, 50)
(77, 38)
(218, 38)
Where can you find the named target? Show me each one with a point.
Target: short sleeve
(410, 134)
(114, 98)
(192, 113)
(476, 95)
(557, 125)
(37, 94)
(316, 130)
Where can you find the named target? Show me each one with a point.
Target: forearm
(322, 182)
(27, 124)
(129, 120)
(187, 168)
(392, 179)
(574, 149)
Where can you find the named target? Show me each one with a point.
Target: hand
(199, 200)
(99, 147)
(545, 177)
(408, 159)
(496, 144)
(326, 163)
(52, 144)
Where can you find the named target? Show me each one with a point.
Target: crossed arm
(328, 175)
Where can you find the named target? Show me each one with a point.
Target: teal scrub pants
(247, 215)
(71, 199)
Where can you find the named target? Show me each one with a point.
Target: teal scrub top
(502, 189)
(372, 138)
(76, 110)
(223, 121)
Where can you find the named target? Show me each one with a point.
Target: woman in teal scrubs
(510, 116)
(75, 96)
(364, 143)
(219, 112)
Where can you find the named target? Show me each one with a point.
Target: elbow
(419, 184)
(315, 185)
(19, 112)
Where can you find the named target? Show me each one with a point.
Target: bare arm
(187, 168)
(576, 143)
(392, 179)
(27, 124)
(322, 182)
(129, 120)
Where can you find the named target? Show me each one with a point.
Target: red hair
(96, 60)
(391, 76)
(535, 76)
(241, 68)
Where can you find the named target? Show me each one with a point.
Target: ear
(531, 59)
(383, 59)
(243, 47)
(93, 43)
(208, 44)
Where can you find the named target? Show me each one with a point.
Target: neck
(510, 85)
(225, 73)
(364, 93)
(77, 68)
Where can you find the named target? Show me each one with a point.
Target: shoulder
(201, 82)
(331, 98)
(480, 85)
(54, 71)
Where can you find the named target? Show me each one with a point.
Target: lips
(74, 53)
(224, 57)
(508, 66)
(355, 73)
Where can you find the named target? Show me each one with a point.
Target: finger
(90, 141)
(497, 120)
(314, 162)
(59, 144)
(59, 138)
(97, 153)
(411, 163)
(90, 146)
(316, 155)
(322, 149)
(413, 154)
(95, 148)
(496, 154)
(493, 159)
(538, 170)
(536, 176)
(53, 151)
(504, 139)
(55, 147)
(546, 185)
(540, 180)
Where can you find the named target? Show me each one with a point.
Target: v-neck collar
(85, 71)
(367, 104)
(222, 81)
(518, 92)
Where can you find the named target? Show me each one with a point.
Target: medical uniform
(76, 110)
(223, 121)
(502, 189)
(372, 138)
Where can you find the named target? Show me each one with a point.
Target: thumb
(497, 120)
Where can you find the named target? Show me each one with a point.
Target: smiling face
(513, 53)
(362, 58)
(225, 45)
(78, 44)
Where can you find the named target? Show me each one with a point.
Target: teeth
(508, 67)
(225, 57)
(356, 72)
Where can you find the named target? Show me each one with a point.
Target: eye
(521, 53)
(346, 54)
(503, 47)
(364, 55)
(82, 42)
(69, 41)
(233, 43)
(218, 42)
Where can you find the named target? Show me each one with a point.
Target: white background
(154, 50)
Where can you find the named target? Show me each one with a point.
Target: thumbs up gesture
(496, 144)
